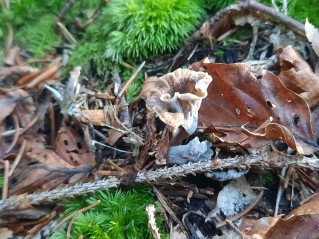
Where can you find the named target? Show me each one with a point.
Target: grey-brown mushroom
(176, 99)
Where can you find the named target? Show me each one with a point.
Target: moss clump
(301, 10)
(33, 24)
(121, 214)
(1, 180)
(137, 29)
(144, 28)
(134, 30)
(266, 177)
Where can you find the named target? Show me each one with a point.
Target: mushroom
(177, 97)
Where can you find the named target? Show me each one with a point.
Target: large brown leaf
(238, 104)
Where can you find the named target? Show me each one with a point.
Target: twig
(110, 147)
(265, 159)
(16, 134)
(68, 231)
(18, 158)
(52, 118)
(77, 212)
(66, 7)
(165, 205)
(280, 190)
(65, 32)
(127, 84)
(193, 51)
(9, 40)
(127, 129)
(236, 229)
(115, 165)
(241, 8)
(243, 212)
(255, 26)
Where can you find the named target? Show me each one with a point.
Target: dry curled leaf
(301, 223)
(298, 76)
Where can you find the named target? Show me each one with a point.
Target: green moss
(1, 180)
(144, 28)
(38, 37)
(266, 177)
(32, 22)
(121, 214)
(301, 10)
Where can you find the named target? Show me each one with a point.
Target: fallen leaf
(95, 117)
(238, 104)
(161, 149)
(148, 86)
(297, 75)
(301, 223)
(114, 135)
(73, 148)
(150, 130)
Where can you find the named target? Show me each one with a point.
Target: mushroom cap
(177, 96)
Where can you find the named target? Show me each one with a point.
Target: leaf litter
(210, 119)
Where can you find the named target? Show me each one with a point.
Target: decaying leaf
(148, 85)
(114, 135)
(312, 34)
(177, 97)
(150, 130)
(73, 148)
(161, 149)
(43, 169)
(254, 112)
(298, 76)
(95, 117)
(301, 223)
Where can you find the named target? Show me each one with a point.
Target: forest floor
(216, 139)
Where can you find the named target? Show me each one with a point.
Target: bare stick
(265, 159)
(241, 8)
(18, 158)
(280, 191)
(127, 84)
(77, 212)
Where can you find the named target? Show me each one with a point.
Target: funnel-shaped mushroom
(176, 98)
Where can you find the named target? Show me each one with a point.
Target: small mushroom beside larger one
(177, 97)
